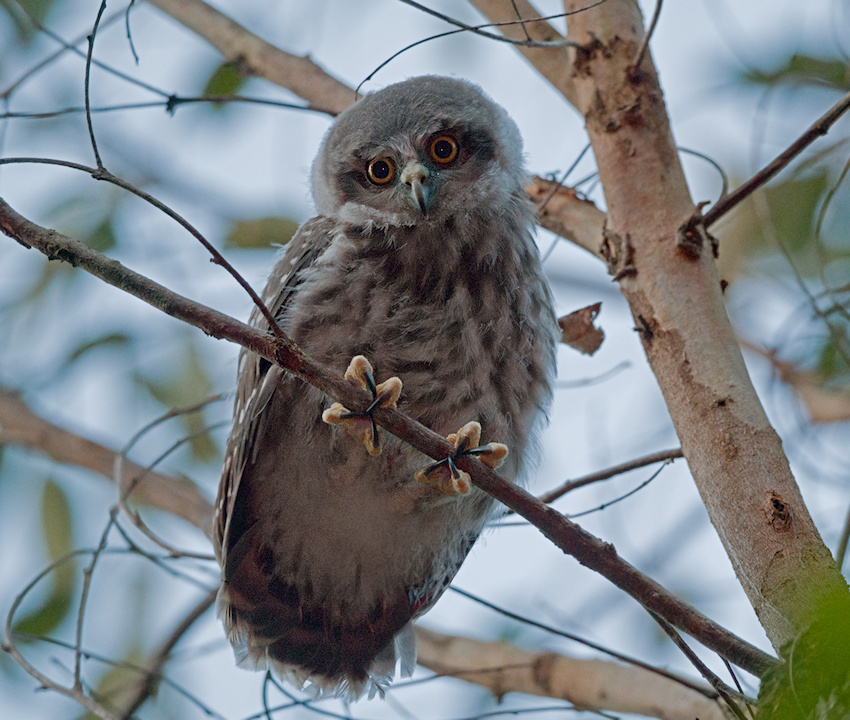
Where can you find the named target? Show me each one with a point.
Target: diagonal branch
(19, 425)
(260, 58)
(569, 537)
(553, 63)
(589, 684)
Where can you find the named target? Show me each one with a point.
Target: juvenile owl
(332, 535)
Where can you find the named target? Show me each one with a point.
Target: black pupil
(443, 149)
(380, 169)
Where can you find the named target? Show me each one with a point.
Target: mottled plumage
(421, 259)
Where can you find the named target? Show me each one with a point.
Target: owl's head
(422, 150)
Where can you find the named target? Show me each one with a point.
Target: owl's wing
(257, 377)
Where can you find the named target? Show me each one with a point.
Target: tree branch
(19, 425)
(668, 275)
(569, 537)
(589, 684)
(562, 211)
(258, 57)
(552, 63)
(818, 129)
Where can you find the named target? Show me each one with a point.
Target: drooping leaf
(804, 68)
(261, 233)
(189, 385)
(57, 525)
(226, 81)
(793, 204)
(115, 339)
(36, 9)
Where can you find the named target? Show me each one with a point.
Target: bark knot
(618, 253)
(777, 512)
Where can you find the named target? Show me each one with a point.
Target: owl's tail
(322, 659)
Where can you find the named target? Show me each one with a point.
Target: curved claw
(361, 425)
(446, 477)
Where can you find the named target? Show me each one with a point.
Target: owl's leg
(445, 474)
(362, 425)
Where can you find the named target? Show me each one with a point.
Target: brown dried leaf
(579, 332)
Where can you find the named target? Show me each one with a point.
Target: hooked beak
(415, 175)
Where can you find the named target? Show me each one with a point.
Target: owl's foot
(445, 474)
(362, 425)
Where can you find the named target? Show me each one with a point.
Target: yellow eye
(444, 149)
(380, 171)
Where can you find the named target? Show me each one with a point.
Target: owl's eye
(444, 149)
(380, 171)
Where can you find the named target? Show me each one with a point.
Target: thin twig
(569, 485)
(75, 692)
(645, 42)
(721, 687)
(818, 129)
(576, 638)
(101, 173)
(91, 39)
(478, 29)
(88, 573)
(155, 667)
(569, 537)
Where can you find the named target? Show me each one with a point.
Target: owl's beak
(415, 175)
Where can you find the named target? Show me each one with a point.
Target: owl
(419, 277)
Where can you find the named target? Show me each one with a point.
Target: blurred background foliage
(785, 253)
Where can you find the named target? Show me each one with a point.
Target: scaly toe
(361, 425)
(445, 476)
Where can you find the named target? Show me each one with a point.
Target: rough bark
(670, 281)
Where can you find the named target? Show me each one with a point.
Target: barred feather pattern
(328, 553)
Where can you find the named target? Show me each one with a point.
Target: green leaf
(261, 233)
(226, 81)
(116, 339)
(58, 536)
(102, 238)
(813, 683)
(189, 385)
(806, 68)
(37, 9)
(792, 209)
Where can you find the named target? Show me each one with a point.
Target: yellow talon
(446, 477)
(361, 425)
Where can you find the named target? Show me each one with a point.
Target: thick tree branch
(668, 275)
(562, 211)
(569, 537)
(552, 63)
(589, 684)
(258, 57)
(19, 425)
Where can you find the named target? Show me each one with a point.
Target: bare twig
(150, 679)
(101, 173)
(75, 691)
(721, 687)
(818, 129)
(651, 459)
(521, 22)
(553, 63)
(646, 38)
(572, 539)
(87, 97)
